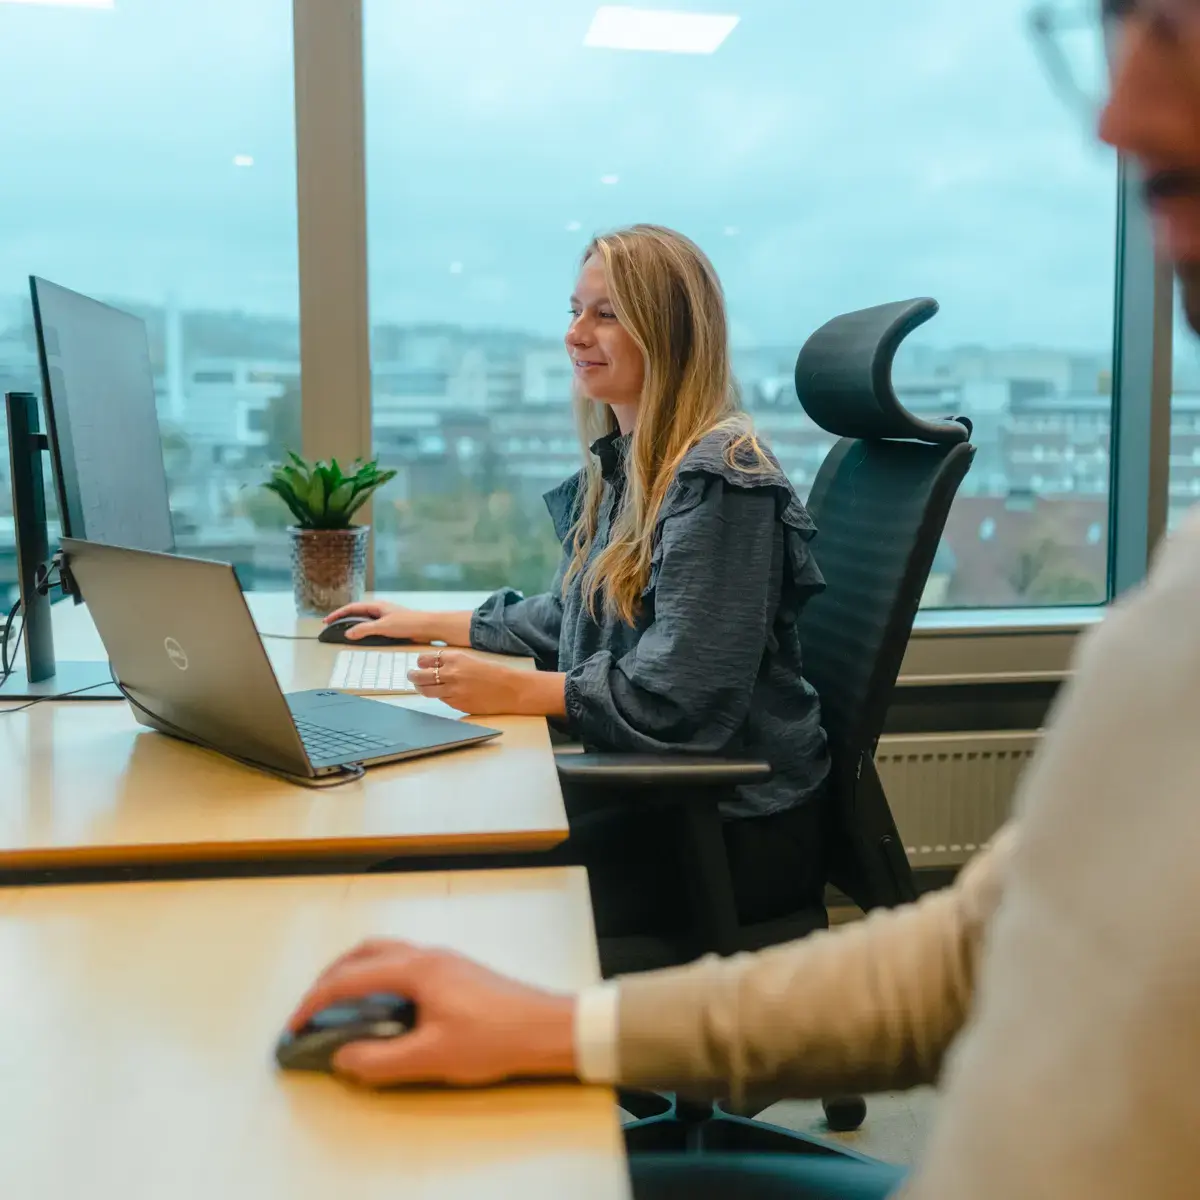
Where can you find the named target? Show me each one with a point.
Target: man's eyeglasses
(1075, 40)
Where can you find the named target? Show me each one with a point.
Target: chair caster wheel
(845, 1114)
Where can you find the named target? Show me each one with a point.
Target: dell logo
(175, 653)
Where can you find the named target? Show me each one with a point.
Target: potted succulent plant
(329, 554)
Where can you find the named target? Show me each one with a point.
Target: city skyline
(826, 158)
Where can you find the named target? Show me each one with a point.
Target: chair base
(845, 1114)
(665, 1125)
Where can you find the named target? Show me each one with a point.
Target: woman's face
(608, 364)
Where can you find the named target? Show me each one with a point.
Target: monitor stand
(43, 678)
(70, 681)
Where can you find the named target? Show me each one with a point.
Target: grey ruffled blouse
(713, 663)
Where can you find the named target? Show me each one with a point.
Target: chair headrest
(844, 376)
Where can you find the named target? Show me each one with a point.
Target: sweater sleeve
(866, 1007)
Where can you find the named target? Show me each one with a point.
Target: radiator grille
(950, 792)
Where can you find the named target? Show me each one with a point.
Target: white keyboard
(374, 672)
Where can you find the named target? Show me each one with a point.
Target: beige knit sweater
(1063, 968)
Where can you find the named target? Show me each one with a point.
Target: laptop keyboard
(336, 744)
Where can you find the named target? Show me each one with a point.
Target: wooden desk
(85, 785)
(139, 1019)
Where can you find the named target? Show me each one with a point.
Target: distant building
(226, 402)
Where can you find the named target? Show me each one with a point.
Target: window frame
(962, 646)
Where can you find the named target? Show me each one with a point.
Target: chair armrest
(659, 770)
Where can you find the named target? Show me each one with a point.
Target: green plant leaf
(322, 495)
(339, 498)
(298, 481)
(364, 494)
(298, 510)
(316, 497)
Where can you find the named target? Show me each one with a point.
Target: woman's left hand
(473, 685)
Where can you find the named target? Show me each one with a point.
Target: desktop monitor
(98, 393)
(109, 474)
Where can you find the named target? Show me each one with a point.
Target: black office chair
(880, 502)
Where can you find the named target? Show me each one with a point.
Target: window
(828, 157)
(1185, 420)
(154, 168)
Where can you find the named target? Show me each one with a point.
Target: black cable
(350, 772)
(7, 712)
(5, 669)
(12, 664)
(8, 659)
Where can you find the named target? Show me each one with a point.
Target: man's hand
(473, 1027)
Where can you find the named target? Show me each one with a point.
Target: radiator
(950, 792)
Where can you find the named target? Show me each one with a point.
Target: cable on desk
(58, 695)
(289, 637)
(349, 773)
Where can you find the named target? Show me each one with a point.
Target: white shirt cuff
(596, 1034)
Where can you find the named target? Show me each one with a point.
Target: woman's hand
(483, 688)
(404, 624)
(473, 1027)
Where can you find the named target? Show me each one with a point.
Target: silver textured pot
(329, 567)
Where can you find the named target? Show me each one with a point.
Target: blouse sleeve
(507, 623)
(687, 684)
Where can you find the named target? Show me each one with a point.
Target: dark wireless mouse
(373, 1018)
(335, 633)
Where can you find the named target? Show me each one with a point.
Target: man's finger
(395, 972)
(371, 948)
(409, 1058)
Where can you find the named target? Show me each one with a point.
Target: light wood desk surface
(138, 1022)
(85, 785)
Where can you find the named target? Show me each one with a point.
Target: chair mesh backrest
(880, 508)
(880, 503)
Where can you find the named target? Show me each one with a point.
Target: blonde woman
(671, 625)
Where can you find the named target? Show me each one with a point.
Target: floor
(895, 1130)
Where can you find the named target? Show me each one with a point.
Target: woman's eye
(608, 316)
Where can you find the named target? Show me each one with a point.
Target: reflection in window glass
(828, 157)
(156, 171)
(1184, 479)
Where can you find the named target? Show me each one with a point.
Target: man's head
(1153, 115)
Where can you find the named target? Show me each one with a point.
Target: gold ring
(437, 674)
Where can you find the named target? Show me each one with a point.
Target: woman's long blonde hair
(667, 296)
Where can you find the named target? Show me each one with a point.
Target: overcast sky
(863, 150)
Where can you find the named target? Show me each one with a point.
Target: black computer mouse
(371, 1018)
(335, 633)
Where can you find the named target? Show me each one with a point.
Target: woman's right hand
(386, 620)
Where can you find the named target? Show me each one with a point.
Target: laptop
(184, 648)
